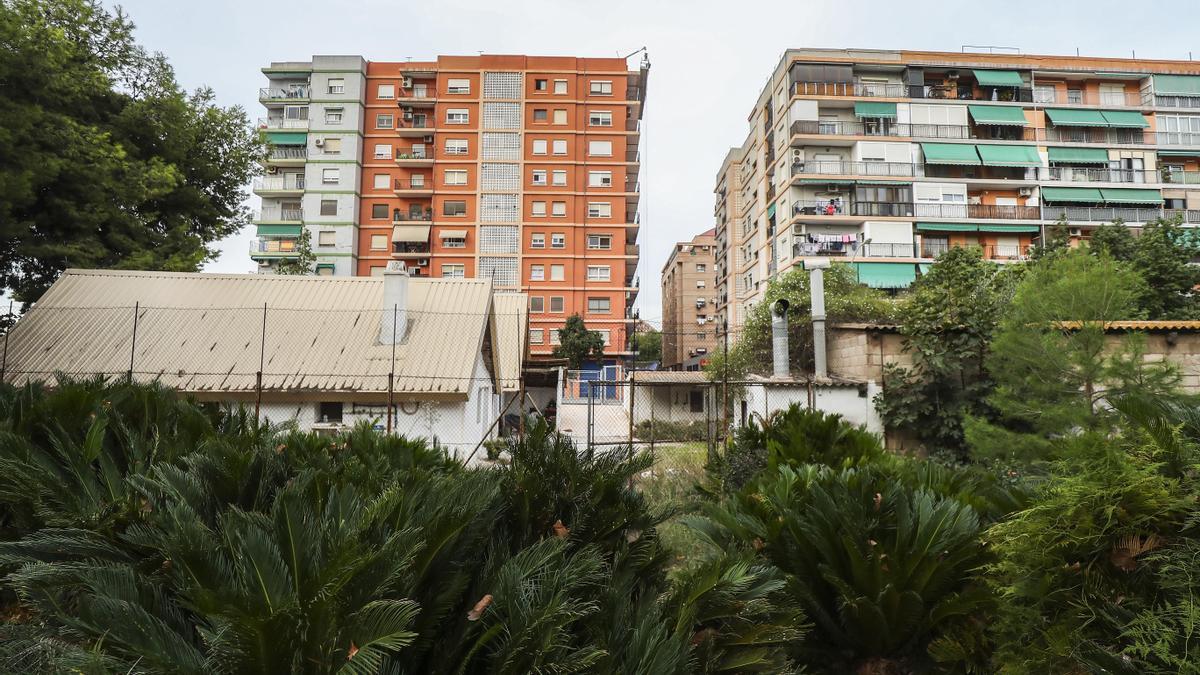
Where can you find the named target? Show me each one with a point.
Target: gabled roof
(510, 315)
(204, 333)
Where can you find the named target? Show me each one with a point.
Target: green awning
(1126, 119)
(1072, 194)
(279, 230)
(287, 137)
(924, 267)
(1076, 118)
(825, 181)
(1009, 228)
(1009, 155)
(1130, 196)
(947, 227)
(1078, 155)
(326, 266)
(998, 78)
(998, 115)
(1177, 85)
(885, 183)
(950, 153)
(874, 109)
(1179, 153)
(886, 275)
(771, 211)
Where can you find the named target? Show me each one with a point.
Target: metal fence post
(725, 380)
(7, 329)
(392, 371)
(262, 356)
(133, 341)
(591, 415)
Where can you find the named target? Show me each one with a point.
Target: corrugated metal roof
(669, 377)
(511, 314)
(204, 332)
(1141, 325)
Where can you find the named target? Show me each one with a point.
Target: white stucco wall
(843, 400)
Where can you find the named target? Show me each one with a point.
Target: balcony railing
(271, 214)
(881, 209)
(281, 123)
(1180, 177)
(1003, 212)
(1079, 174)
(880, 250)
(932, 249)
(424, 154)
(1177, 137)
(411, 215)
(283, 246)
(422, 123)
(1107, 214)
(848, 168)
(410, 184)
(965, 92)
(291, 181)
(632, 155)
(284, 152)
(275, 93)
(1080, 97)
(864, 89)
(884, 128)
(1176, 101)
(1098, 135)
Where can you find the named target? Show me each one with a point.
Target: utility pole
(7, 329)
(392, 371)
(262, 357)
(132, 342)
(633, 379)
(725, 381)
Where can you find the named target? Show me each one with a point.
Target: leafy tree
(104, 160)
(301, 263)
(577, 344)
(1058, 239)
(1114, 239)
(947, 324)
(649, 345)
(1162, 254)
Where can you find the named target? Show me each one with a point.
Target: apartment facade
(691, 316)
(520, 169)
(885, 159)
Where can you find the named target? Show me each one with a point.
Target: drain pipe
(779, 340)
(816, 284)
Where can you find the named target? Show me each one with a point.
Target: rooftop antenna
(645, 56)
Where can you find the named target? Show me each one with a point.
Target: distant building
(690, 322)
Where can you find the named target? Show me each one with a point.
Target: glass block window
(500, 177)
(499, 208)
(502, 271)
(498, 239)
(501, 115)
(502, 85)
(501, 145)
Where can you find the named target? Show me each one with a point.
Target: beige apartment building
(690, 317)
(883, 159)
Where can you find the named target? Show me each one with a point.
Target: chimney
(394, 321)
(816, 285)
(779, 340)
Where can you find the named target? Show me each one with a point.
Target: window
(601, 88)
(1043, 93)
(539, 85)
(458, 86)
(556, 304)
(456, 146)
(537, 240)
(385, 91)
(539, 177)
(560, 116)
(456, 177)
(560, 147)
(337, 85)
(701, 268)
(700, 284)
(330, 176)
(454, 208)
(383, 151)
(1074, 96)
(327, 238)
(599, 242)
(458, 116)
(329, 412)
(558, 240)
(331, 146)
(558, 273)
(333, 115)
(538, 208)
(555, 336)
(379, 211)
(455, 241)
(537, 272)
(329, 207)
(454, 270)
(600, 118)
(536, 334)
(600, 148)
(599, 273)
(605, 335)
(539, 114)
(325, 270)
(295, 112)
(560, 177)
(383, 121)
(379, 242)
(558, 209)
(560, 86)
(599, 210)
(382, 181)
(416, 180)
(599, 305)
(539, 147)
(599, 179)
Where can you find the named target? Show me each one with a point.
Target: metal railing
(281, 123)
(283, 246)
(1081, 97)
(289, 181)
(1166, 101)
(424, 123)
(850, 168)
(281, 152)
(1177, 137)
(969, 93)
(881, 209)
(411, 184)
(863, 89)
(1098, 135)
(886, 128)
(1080, 174)
(1106, 214)
(278, 213)
(883, 250)
(273, 93)
(632, 155)
(1179, 177)
(990, 251)
(399, 216)
(424, 154)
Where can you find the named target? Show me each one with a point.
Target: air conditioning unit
(429, 139)
(406, 83)
(1075, 232)
(423, 262)
(408, 115)
(1025, 192)
(320, 142)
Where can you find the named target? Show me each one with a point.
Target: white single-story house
(315, 349)
(853, 399)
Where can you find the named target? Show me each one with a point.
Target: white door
(1112, 94)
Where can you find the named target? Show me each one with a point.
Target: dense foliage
(104, 160)
(1162, 253)
(577, 344)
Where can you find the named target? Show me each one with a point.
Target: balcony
(415, 214)
(933, 249)
(285, 183)
(848, 168)
(633, 250)
(287, 154)
(418, 126)
(858, 89)
(414, 158)
(1107, 214)
(633, 156)
(978, 211)
(1187, 138)
(898, 130)
(839, 207)
(409, 186)
(882, 250)
(1104, 136)
(282, 123)
(410, 249)
(277, 214)
(967, 91)
(296, 94)
(272, 248)
(1080, 174)
(1171, 177)
(1162, 101)
(1115, 99)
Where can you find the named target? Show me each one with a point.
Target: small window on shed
(330, 412)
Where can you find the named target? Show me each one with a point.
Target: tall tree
(649, 345)
(104, 160)
(303, 261)
(1162, 254)
(577, 344)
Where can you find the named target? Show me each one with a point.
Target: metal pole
(392, 372)
(522, 337)
(633, 382)
(725, 384)
(262, 358)
(7, 330)
(591, 415)
(133, 342)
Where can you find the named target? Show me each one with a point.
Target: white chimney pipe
(779, 340)
(816, 284)
(395, 304)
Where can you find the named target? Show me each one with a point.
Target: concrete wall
(668, 403)
(855, 404)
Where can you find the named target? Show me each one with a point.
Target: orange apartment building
(523, 169)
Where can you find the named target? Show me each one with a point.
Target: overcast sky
(709, 60)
